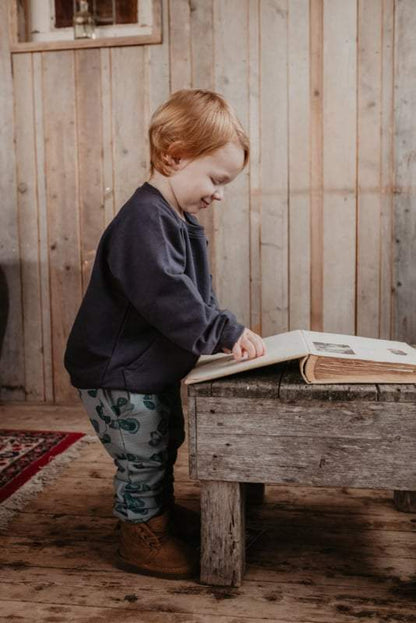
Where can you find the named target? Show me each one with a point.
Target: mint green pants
(142, 433)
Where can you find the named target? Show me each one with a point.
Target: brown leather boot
(150, 548)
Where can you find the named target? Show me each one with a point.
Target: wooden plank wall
(405, 170)
(317, 232)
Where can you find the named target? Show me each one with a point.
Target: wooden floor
(327, 555)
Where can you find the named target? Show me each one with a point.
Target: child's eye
(214, 182)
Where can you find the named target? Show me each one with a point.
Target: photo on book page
(333, 348)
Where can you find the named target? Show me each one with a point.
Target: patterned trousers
(142, 433)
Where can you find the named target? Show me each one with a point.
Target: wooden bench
(268, 426)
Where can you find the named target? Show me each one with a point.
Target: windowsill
(39, 46)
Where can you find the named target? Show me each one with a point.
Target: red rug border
(36, 466)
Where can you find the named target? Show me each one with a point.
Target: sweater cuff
(229, 336)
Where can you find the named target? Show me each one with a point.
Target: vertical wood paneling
(180, 44)
(232, 213)
(11, 322)
(299, 157)
(28, 226)
(203, 77)
(90, 156)
(202, 45)
(340, 81)
(129, 121)
(43, 228)
(387, 166)
(157, 70)
(107, 137)
(316, 29)
(370, 25)
(63, 209)
(147, 72)
(254, 165)
(274, 166)
(405, 172)
(158, 59)
(303, 237)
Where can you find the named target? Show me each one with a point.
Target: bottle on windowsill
(84, 24)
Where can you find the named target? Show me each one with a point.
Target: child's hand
(249, 346)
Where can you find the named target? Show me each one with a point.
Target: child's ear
(175, 154)
(172, 161)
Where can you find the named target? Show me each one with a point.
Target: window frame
(155, 35)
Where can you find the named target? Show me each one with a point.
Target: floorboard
(322, 556)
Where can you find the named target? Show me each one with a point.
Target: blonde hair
(190, 124)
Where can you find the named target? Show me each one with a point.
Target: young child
(148, 313)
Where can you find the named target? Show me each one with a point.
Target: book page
(356, 347)
(281, 347)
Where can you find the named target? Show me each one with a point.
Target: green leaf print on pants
(141, 432)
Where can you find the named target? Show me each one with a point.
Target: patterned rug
(28, 461)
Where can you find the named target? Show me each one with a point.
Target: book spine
(302, 366)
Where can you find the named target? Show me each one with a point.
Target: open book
(324, 358)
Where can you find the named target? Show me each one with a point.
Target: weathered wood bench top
(284, 382)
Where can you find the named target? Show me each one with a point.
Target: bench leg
(222, 533)
(405, 501)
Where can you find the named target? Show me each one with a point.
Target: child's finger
(237, 351)
(255, 346)
(250, 346)
(258, 344)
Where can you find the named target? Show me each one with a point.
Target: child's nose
(219, 194)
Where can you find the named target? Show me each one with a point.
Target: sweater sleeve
(213, 301)
(147, 259)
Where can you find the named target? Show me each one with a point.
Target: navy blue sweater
(149, 310)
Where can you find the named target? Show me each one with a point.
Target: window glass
(104, 12)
